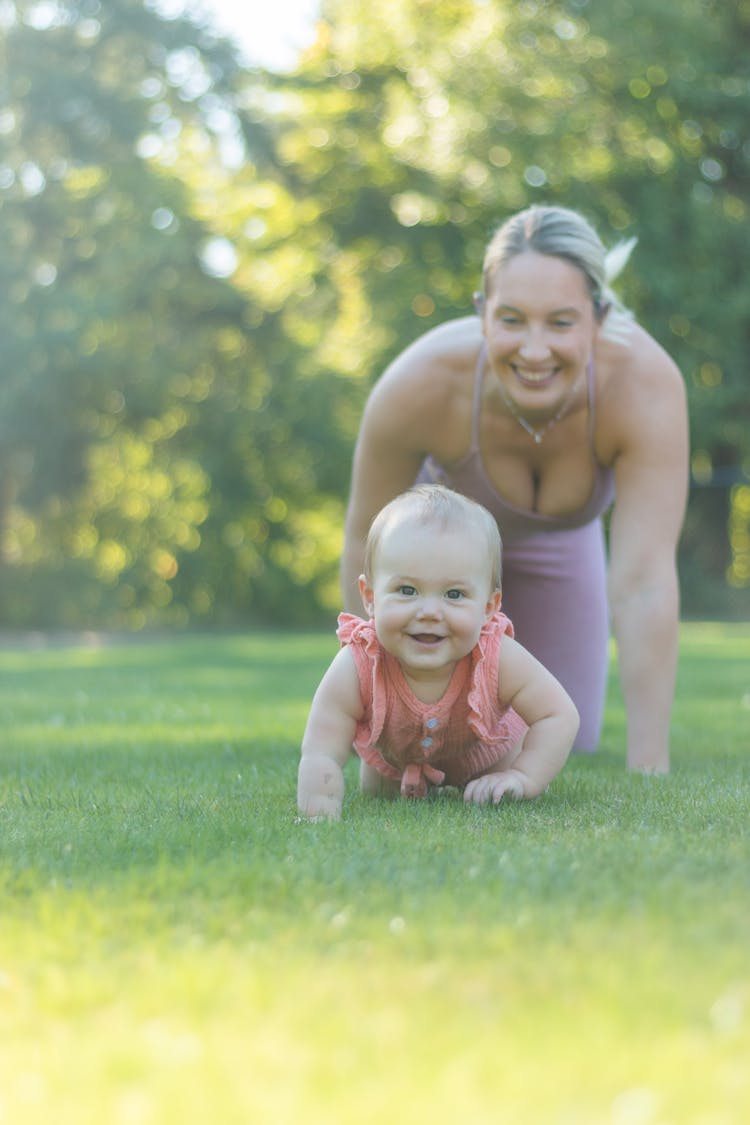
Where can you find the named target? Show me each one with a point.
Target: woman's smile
(531, 378)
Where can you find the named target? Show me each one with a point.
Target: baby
(433, 689)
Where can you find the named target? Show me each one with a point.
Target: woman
(546, 408)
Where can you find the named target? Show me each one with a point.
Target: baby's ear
(493, 603)
(366, 594)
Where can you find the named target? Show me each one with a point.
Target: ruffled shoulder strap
(485, 713)
(362, 640)
(355, 630)
(498, 623)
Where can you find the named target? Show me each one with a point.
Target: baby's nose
(429, 607)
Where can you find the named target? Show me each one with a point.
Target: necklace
(538, 435)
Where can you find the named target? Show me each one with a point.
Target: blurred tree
(684, 76)
(107, 305)
(153, 428)
(205, 268)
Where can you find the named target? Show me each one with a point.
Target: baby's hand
(319, 807)
(492, 787)
(320, 787)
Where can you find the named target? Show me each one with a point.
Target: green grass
(175, 948)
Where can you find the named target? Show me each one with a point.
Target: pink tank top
(448, 742)
(469, 478)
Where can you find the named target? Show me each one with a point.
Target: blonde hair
(427, 504)
(562, 233)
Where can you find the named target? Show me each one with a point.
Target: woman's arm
(327, 741)
(421, 405)
(386, 463)
(542, 702)
(651, 481)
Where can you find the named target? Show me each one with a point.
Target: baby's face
(430, 594)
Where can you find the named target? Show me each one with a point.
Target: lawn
(176, 948)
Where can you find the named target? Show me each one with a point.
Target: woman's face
(539, 325)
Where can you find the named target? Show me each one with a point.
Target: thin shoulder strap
(478, 380)
(592, 400)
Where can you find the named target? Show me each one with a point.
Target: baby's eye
(562, 323)
(407, 591)
(509, 318)
(454, 595)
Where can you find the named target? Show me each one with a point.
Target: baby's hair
(562, 233)
(427, 504)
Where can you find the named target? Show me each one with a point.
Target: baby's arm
(327, 741)
(542, 702)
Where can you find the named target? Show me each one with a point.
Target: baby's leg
(373, 784)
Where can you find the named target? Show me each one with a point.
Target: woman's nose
(534, 344)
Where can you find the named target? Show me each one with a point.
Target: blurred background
(210, 248)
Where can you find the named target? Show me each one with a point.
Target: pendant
(538, 435)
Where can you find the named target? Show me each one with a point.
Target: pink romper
(448, 742)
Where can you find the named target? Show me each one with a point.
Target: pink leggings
(555, 593)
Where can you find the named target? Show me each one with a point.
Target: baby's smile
(426, 638)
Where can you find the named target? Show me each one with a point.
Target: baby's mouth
(426, 638)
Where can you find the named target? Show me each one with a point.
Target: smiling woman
(546, 408)
(541, 332)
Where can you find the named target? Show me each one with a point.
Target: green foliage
(582, 957)
(156, 424)
(207, 266)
